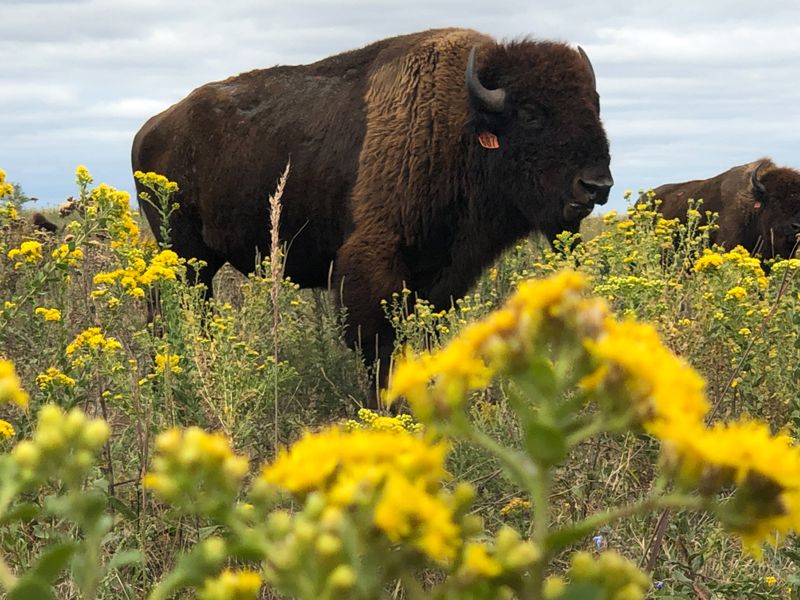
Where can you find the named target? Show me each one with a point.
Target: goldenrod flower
(6, 188)
(28, 252)
(49, 314)
(70, 257)
(93, 341)
(52, 376)
(478, 563)
(63, 446)
(6, 430)
(232, 585)
(196, 470)
(82, 176)
(167, 361)
(709, 260)
(736, 293)
(395, 471)
(10, 387)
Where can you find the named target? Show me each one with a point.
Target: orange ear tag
(488, 140)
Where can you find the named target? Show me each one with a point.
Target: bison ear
(759, 191)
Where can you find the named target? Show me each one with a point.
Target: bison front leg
(368, 268)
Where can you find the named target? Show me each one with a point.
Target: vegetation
(610, 418)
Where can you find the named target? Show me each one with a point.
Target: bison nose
(596, 189)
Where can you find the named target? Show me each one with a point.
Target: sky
(688, 89)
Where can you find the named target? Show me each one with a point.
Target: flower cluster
(6, 430)
(437, 383)
(196, 471)
(29, 252)
(132, 280)
(6, 189)
(10, 387)
(154, 180)
(64, 446)
(368, 419)
(396, 473)
(609, 576)
(90, 342)
(68, 255)
(53, 377)
(48, 314)
(231, 585)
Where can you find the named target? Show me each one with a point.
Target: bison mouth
(575, 211)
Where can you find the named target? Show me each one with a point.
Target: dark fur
(42, 223)
(388, 181)
(770, 228)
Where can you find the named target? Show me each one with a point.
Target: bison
(42, 223)
(758, 205)
(415, 160)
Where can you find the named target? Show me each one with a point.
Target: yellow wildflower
(171, 361)
(49, 314)
(709, 260)
(231, 585)
(10, 387)
(397, 470)
(736, 293)
(82, 176)
(477, 562)
(6, 430)
(6, 189)
(28, 252)
(51, 376)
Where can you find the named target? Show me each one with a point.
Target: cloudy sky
(688, 88)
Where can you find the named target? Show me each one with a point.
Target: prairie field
(614, 416)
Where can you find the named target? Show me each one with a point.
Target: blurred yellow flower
(49, 314)
(10, 387)
(6, 430)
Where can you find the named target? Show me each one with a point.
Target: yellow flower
(196, 470)
(436, 384)
(515, 504)
(10, 387)
(51, 376)
(49, 314)
(669, 396)
(231, 585)
(396, 470)
(93, 341)
(171, 361)
(28, 252)
(736, 293)
(709, 260)
(478, 562)
(6, 430)
(67, 256)
(82, 175)
(770, 580)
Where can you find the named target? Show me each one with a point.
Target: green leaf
(52, 560)
(122, 508)
(121, 559)
(547, 445)
(583, 591)
(21, 512)
(31, 588)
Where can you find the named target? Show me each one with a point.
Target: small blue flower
(598, 541)
(659, 585)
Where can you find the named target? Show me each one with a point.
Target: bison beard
(758, 206)
(415, 160)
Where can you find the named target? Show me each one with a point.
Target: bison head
(536, 106)
(776, 194)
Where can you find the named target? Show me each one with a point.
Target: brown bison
(415, 160)
(42, 223)
(758, 205)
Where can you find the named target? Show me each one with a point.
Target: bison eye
(530, 118)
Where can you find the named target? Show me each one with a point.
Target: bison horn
(589, 67)
(758, 187)
(490, 100)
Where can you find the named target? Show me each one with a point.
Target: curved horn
(490, 100)
(759, 188)
(589, 67)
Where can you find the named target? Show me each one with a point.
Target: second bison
(415, 160)
(758, 205)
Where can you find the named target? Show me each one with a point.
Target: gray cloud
(687, 88)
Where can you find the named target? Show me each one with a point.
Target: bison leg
(367, 270)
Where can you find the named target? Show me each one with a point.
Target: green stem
(568, 535)
(7, 577)
(540, 496)
(518, 465)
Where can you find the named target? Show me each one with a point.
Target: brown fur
(388, 181)
(768, 223)
(42, 223)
